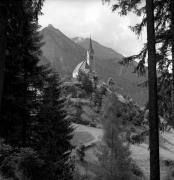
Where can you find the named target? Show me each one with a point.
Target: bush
(81, 152)
(136, 170)
(78, 176)
(86, 81)
(21, 163)
(30, 165)
(169, 163)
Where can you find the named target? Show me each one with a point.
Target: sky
(82, 18)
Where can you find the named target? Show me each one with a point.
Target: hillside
(64, 54)
(101, 51)
(139, 152)
(109, 59)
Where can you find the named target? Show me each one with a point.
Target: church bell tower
(90, 57)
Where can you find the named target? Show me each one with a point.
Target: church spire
(90, 46)
(90, 56)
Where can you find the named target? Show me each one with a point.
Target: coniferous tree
(114, 154)
(21, 163)
(172, 42)
(163, 34)
(54, 130)
(3, 26)
(86, 81)
(156, 32)
(153, 102)
(27, 94)
(22, 73)
(9, 95)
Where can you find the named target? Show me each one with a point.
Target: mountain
(64, 54)
(108, 65)
(101, 51)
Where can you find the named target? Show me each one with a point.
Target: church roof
(81, 66)
(85, 64)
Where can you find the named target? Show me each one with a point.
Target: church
(88, 64)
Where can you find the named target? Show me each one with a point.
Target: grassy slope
(140, 152)
(81, 137)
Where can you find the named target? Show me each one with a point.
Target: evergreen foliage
(86, 81)
(81, 152)
(98, 96)
(33, 107)
(76, 116)
(163, 22)
(53, 130)
(22, 163)
(22, 74)
(158, 21)
(114, 154)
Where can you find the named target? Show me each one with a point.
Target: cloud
(82, 18)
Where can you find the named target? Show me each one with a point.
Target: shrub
(30, 165)
(21, 163)
(136, 170)
(81, 152)
(169, 163)
(86, 81)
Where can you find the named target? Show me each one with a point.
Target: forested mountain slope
(64, 54)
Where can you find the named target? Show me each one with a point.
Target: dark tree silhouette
(157, 33)
(53, 131)
(153, 104)
(3, 26)
(172, 33)
(163, 33)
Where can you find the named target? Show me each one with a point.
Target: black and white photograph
(87, 90)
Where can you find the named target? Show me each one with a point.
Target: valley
(64, 54)
(81, 98)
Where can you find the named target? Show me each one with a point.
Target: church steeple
(91, 50)
(90, 56)
(88, 65)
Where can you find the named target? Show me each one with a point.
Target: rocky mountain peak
(78, 39)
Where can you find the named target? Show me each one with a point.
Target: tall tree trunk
(153, 103)
(23, 19)
(3, 24)
(25, 116)
(172, 31)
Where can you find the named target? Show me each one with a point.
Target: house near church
(88, 64)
